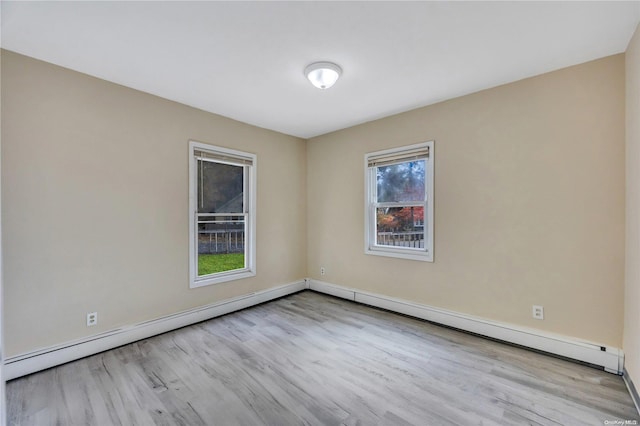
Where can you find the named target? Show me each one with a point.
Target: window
(222, 199)
(399, 202)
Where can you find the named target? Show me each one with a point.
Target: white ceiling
(245, 60)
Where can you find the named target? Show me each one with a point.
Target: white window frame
(370, 204)
(196, 281)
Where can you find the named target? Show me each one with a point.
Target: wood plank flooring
(316, 360)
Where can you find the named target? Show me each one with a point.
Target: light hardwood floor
(314, 359)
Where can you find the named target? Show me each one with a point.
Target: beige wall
(529, 203)
(3, 417)
(95, 213)
(631, 343)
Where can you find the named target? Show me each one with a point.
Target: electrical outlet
(92, 319)
(322, 271)
(538, 312)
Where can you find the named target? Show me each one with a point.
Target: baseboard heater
(34, 361)
(610, 359)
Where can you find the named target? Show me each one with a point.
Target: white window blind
(224, 158)
(398, 157)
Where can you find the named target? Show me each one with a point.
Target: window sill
(222, 277)
(401, 254)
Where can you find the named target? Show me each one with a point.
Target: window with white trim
(399, 202)
(222, 199)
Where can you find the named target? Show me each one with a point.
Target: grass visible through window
(212, 263)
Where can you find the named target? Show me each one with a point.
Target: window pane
(401, 182)
(400, 226)
(220, 188)
(221, 243)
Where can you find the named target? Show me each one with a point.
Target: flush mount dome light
(323, 74)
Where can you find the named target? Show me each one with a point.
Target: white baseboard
(632, 389)
(31, 362)
(611, 359)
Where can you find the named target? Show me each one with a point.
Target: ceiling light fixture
(323, 74)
